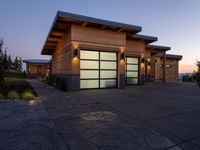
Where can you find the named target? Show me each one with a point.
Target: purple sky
(25, 24)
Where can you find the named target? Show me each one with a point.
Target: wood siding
(171, 72)
(61, 58)
(98, 36)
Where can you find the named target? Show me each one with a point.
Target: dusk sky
(25, 24)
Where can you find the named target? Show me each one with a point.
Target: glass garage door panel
(88, 64)
(131, 74)
(98, 69)
(108, 74)
(108, 83)
(108, 56)
(132, 60)
(87, 74)
(132, 81)
(132, 67)
(108, 65)
(89, 54)
(132, 70)
(86, 84)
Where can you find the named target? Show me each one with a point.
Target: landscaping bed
(16, 88)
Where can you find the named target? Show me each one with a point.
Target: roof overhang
(171, 56)
(63, 20)
(37, 61)
(155, 49)
(147, 39)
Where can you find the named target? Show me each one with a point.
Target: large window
(98, 69)
(132, 70)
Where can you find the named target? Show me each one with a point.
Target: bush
(1, 96)
(187, 78)
(28, 95)
(13, 74)
(13, 95)
(56, 82)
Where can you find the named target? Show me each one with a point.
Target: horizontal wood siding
(135, 47)
(171, 73)
(98, 36)
(61, 58)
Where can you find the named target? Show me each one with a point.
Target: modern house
(94, 53)
(37, 67)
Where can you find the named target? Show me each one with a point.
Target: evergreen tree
(5, 60)
(20, 64)
(16, 63)
(198, 73)
(1, 66)
(9, 62)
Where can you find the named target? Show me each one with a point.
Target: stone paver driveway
(27, 126)
(156, 116)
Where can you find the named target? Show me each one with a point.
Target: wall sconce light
(142, 61)
(122, 56)
(75, 52)
(149, 63)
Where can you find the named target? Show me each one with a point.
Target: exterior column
(121, 68)
(164, 66)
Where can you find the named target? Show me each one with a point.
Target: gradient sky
(24, 24)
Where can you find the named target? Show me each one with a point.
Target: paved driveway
(155, 116)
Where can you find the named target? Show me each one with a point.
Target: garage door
(98, 69)
(132, 70)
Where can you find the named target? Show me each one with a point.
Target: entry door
(132, 70)
(98, 69)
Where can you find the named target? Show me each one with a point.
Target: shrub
(13, 95)
(13, 74)
(1, 96)
(198, 73)
(56, 82)
(28, 95)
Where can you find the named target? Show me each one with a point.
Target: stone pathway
(88, 124)
(27, 126)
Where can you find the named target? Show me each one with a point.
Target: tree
(198, 73)
(16, 63)
(1, 66)
(20, 64)
(9, 62)
(5, 60)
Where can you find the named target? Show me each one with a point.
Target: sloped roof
(64, 19)
(146, 38)
(172, 56)
(36, 61)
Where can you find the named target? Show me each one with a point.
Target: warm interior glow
(142, 65)
(75, 45)
(122, 62)
(122, 49)
(75, 60)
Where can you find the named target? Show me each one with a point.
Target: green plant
(198, 73)
(1, 96)
(13, 95)
(57, 81)
(28, 95)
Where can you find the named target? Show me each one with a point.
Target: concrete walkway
(103, 119)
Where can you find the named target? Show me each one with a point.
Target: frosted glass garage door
(98, 69)
(132, 70)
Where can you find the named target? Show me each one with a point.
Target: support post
(164, 66)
